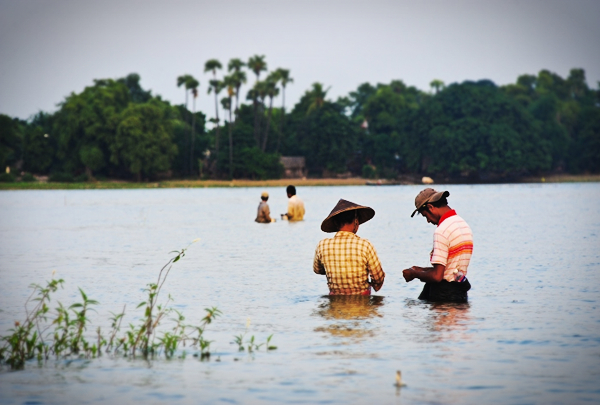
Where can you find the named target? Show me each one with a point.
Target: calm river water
(529, 334)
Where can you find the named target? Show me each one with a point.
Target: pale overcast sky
(50, 48)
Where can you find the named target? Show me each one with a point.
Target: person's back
(295, 209)
(295, 205)
(347, 259)
(264, 213)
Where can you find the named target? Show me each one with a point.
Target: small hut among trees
(294, 166)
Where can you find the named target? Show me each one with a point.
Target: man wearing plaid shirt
(346, 259)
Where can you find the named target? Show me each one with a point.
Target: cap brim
(433, 198)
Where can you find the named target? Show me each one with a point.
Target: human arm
(317, 263)
(433, 274)
(374, 268)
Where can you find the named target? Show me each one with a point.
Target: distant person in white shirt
(295, 206)
(446, 280)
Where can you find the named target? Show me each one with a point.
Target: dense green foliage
(469, 130)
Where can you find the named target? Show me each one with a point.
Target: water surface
(529, 334)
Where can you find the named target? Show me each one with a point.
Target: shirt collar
(344, 233)
(448, 214)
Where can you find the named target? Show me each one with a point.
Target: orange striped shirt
(452, 245)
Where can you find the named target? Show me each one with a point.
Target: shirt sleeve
(374, 268)
(317, 263)
(439, 254)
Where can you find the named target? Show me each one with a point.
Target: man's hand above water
(409, 274)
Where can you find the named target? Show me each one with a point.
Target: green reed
(62, 333)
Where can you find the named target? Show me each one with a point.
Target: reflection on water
(347, 316)
(445, 320)
(450, 320)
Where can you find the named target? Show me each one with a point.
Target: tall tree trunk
(230, 145)
(256, 136)
(282, 119)
(193, 138)
(264, 146)
(217, 135)
(237, 99)
(259, 117)
(185, 140)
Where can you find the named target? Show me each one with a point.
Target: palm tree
(257, 64)
(183, 80)
(284, 78)
(271, 91)
(260, 94)
(212, 65)
(216, 86)
(235, 65)
(238, 77)
(437, 85)
(317, 97)
(193, 84)
(226, 103)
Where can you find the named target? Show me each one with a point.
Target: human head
(290, 190)
(344, 218)
(347, 212)
(264, 196)
(430, 196)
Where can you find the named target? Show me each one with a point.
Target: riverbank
(354, 181)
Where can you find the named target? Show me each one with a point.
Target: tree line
(472, 130)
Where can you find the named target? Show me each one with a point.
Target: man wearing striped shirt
(452, 249)
(346, 259)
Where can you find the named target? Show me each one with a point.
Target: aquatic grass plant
(62, 333)
(250, 344)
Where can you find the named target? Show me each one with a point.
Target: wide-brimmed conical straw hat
(363, 214)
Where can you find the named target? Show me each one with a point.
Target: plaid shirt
(348, 260)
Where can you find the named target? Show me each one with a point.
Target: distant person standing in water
(346, 259)
(295, 206)
(451, 253)
(264, 214)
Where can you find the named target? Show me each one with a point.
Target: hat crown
(364, 214)
(423, 196)
(343, 205)
(426, 196)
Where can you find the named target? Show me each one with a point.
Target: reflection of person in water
(349, 315)
(350, 306)
(346, 259)
(441, 320)
(451, 320)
